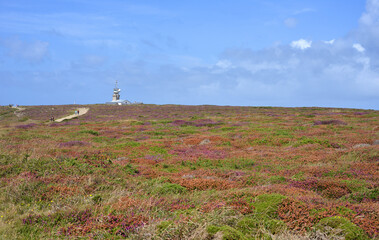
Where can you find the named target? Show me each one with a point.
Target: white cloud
(371, 16)
(358, 47)
(33, 52)
(304, 10)
(301, 44)
(290, 22)
(330, 41)
(110, 43)
(223, 64)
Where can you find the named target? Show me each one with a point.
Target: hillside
(189, 172)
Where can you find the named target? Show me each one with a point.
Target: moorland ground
(189, 172)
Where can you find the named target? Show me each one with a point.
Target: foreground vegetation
(189, 172)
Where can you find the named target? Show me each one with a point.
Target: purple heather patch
(327, 122)
(26, 126)
(73, 143)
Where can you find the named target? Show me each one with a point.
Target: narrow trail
(18, 112)
(82, 111)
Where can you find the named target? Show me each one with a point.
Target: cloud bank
(341, 72)
(332, 73)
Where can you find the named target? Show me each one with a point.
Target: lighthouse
(116, 97)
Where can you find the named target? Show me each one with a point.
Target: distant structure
(116, 98)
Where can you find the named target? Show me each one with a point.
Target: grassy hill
(189, 172)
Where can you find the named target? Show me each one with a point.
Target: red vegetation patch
(296, 215)
(242, 206)
(212, 206)
(367, 218)
(180, 204)
(328, 188)
(119, 224)
(125, 203)
(301, 216)
(60, 190)
(199, 151)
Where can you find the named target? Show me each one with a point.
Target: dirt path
(82, 111)
(18, 112)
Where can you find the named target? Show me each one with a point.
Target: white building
(116, 98)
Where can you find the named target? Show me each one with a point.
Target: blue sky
(242, 52)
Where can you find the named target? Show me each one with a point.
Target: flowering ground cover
(189, 172)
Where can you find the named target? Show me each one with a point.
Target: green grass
(341, 227)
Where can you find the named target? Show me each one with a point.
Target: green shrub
(372, 194)
(304, 140)
(266, 205)
(130, 169)
(158, 150)
(92, 132)
(277, 179)
(253, 226)
(275, 226)
(136, 123)
(127, 145)
(262, 141)
(163, 226)
(171, 188)
(249, 225)
(97, 199)
(344, 211)
(348, 230)
(228, 233)
(24, 119)
(27, 191)
(283, 133)
(227, 129)
(355, 184)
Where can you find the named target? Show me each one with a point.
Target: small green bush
(163, 226)
(348, 229)
(304, 140)
(228, 233)
(158, 150)
(136, 123)
(130, 169)
(253, 226)
(372, 194)
(277, 179)
(24, 119)
(171, 188)
(97, 199)
(275, 226)
(92, 132)
(263, 141)
(344, 211)
(127, 144)
(249, 225)
(266, 205)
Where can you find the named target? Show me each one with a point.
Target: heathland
(188, 172)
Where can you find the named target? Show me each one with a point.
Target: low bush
(168, 188)
(341, 227)
(92, 132)
(266, 205)
(228, 233)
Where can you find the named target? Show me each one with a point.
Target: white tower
(116, 93)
